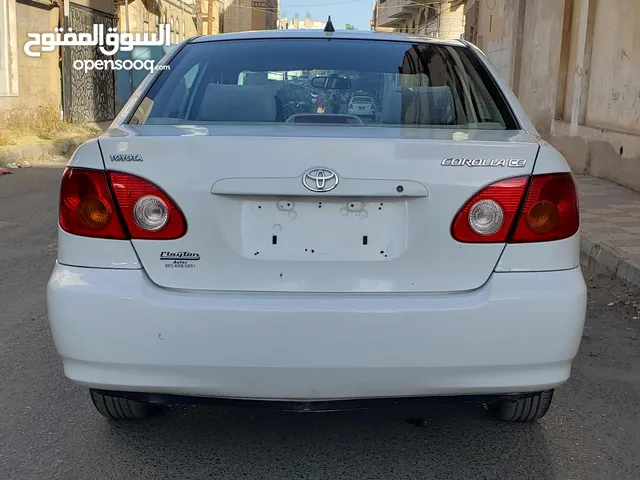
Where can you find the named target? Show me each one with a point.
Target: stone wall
(574, 65)
(237, 16)
(39, 82)
(180, 16)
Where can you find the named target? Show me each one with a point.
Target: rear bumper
(115, 330)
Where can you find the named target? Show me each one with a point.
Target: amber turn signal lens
(93, 213)
(543, 217)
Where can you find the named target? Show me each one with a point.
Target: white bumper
(116, 330)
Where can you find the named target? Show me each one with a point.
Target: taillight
(488, 216)
(150, 214)
(88, 208)
(549, 212)
(86, 205)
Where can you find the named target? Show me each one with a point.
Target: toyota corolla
(214, 245)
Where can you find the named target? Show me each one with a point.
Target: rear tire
(118, 408)
(522, 409)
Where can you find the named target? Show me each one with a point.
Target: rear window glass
(311, 81)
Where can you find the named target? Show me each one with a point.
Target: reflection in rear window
(361, 100)
(270, 81)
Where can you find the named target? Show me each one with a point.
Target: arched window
(413, 27)
(172, 29)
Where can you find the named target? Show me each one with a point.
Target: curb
(35, 151)
(608, 260)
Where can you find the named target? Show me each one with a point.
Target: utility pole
(199, 17)
(182, 18)
(375, 22)
(126, 27)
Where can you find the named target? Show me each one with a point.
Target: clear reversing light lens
(486, 217)
(150, 213)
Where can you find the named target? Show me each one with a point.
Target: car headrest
(440, 102)
(422, 106)
(238, 103)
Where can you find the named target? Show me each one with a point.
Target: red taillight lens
(150, 214)
(488, 216)
(550, 211)
(86, 205)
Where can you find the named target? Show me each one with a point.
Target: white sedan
(362, 106)
(210, 251)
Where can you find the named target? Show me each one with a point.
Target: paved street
(49, 430)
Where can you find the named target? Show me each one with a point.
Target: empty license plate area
(324, 230)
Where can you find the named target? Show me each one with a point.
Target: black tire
(522, 409)
(117, 408)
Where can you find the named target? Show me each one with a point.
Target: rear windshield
(361, 100)
(285, 81)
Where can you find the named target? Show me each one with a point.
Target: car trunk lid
(255, 222)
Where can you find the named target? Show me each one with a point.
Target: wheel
(118, 408)
(522, 409)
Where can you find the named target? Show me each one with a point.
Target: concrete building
(437, 18)
(245, 15)
(146, 15)
(375, 26)
(297, 24)
(574, 65)
(27, 83)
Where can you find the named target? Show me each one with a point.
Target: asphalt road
(49, 430)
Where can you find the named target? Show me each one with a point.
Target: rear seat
(238, 103)
(422, 106)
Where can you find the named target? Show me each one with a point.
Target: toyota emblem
(320, 179)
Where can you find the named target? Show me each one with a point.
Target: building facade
(246, 15)
(29, 83)
(437, 18)
(26, 82)
(574, 65)
(142, 16)
(297, 24)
